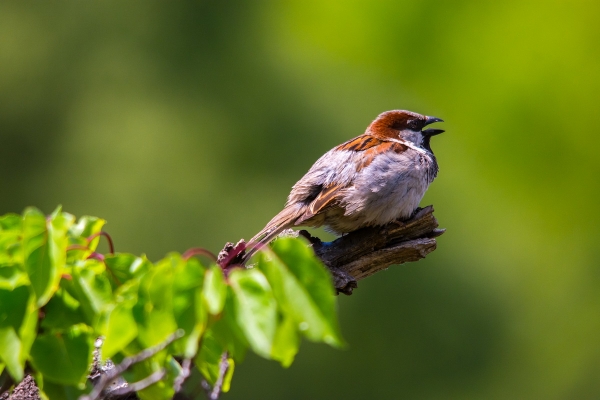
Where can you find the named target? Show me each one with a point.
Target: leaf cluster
(57, 296)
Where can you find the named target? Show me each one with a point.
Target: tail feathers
(285, 219)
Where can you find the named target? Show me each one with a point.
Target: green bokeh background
(185, 124)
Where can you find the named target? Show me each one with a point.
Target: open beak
(432, 132)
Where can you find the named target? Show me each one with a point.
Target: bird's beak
(431, 120)
(432, 132)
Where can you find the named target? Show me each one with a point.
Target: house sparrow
(373, 179)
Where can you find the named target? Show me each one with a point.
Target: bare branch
(207, 389)
(127, 362)
(223, 367)
(139, 385)
(215, 392)
(367, 251)
(185, 373)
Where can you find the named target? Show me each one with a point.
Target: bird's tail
(285, 219)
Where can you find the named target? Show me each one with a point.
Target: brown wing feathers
(281, 221)
(360, 143)
(295, 214)
(326, 198)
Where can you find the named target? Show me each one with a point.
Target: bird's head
(405, 125)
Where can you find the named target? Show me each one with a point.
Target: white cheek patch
(408, 144)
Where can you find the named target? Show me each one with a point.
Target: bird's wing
(338, 169)
(325, 198)
(360, 143)
(329, 196)
(324, 183)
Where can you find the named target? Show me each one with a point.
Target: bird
(372, 180)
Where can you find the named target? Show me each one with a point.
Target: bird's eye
(414, 124)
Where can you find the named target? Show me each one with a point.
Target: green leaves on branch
(64, 357)
(45, 250)
(305, 289)
(57, 296)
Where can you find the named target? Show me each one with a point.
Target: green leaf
(208, 362)
(117, 324)
(255, 309)
(188, 308)
(64, 357)
(188, 274)
(78, 234)
(28, 329)
(38, 265)
(163, 389)
(124, 267)
(10, 222)
(13, 302)
(303, 288)
(154, 309)
(92, 287)
(18, 319)
(11, 277)
(228, 375)
(121, 330)
(10, 349)
(135, 305)
(84, 228)
(228, 332)
(287, 341)
(55, 391)
(45, 246)
(215, 290)
(209, 358)
(10, 243)
(62, 311)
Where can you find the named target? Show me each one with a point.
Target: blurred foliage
(58, 295)
(186, 125)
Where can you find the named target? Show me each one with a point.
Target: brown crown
(387, 124)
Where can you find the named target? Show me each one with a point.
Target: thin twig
(185, 373)
(96, 256)
(111, 246)
(199, 251)
(215, 392)
(223, 367)
(140, 385)
(77, 247)
(127, 362)
(207, 388)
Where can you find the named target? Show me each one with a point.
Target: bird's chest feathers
(393, 185)
(388, 172)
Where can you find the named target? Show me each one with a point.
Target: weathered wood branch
(362, 253)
